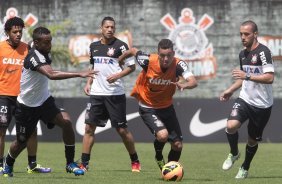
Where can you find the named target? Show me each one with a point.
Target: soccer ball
(172, 171)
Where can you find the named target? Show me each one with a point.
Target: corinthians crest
(190, 41)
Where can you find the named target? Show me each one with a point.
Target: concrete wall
(142, 19)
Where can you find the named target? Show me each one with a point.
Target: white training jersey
(257, 62)
(104, 59)
(34, 85)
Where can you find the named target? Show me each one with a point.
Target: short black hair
(14, 21)
(165, 44)
(39, 31)
(107, 18)
(251, 23)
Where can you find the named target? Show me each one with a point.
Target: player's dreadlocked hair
(38, 32)
(251, 23)
(107, 18)
(165, 44)
(14, 21)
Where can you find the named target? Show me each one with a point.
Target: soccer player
(12, 54)
(154, 89)
(107, 95)
(255, 78)
(35, 102)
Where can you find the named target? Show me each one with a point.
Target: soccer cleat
(135, 166)
(73, 168)
(8, 171)
(228, 163)
(242, 173)
(38, 169)
(160, 163)
(84, 167)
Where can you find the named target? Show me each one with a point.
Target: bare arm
(48, 71)
(188, 83)
(124, 72)
(126, 54)
(225, 95)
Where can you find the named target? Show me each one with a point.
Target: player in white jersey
(35, 102)
(255, 78)
(106, 91)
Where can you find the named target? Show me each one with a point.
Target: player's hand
(238, 74)
(87, 88)
(88, 73)
(180, 86)
(225, 96)
(113, 78)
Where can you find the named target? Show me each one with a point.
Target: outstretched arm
(48, 71)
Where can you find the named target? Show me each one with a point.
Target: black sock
(250, 153)
(9, 160)
(174, 155)
(134, 157)
(85, 157)
(69, 153)
(159, 146)
(1, 162)
(32, 161)
(233, 142)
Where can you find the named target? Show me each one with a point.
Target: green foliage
(60, 53)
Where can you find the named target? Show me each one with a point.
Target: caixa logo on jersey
(30, 20)
(274, 43)
(191, 43)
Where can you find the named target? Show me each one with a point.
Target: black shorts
(7, 110)
(101, 108)
(28, 117)
(257, 117)
(159, 119)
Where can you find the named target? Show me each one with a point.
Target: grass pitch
(110, 164)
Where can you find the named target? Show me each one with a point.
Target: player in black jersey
(255, 78)
(107, 94)
(35, 102)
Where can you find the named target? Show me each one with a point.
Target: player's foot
(242, 173)
(38, 169)
(8, 171)
(84, 167)
(73, 168)
(135, 166)
(228, 163)
(1, 170)
(160, 163)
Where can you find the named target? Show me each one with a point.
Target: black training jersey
(182, 68)
(104, 59)
(33, 85)
(257, 62)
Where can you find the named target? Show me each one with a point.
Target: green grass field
(110, 164)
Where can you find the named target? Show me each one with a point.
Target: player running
(35, 102)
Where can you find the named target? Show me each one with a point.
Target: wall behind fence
(219, 43)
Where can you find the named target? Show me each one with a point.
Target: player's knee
(89, 130)
(162, 135)
(177, 146)
(231, 128)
